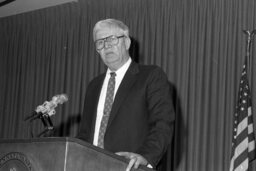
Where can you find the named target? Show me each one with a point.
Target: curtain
(200, 45)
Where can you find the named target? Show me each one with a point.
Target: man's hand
(135, 159)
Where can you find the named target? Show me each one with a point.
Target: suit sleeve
(161, 117)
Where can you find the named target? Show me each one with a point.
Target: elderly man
(128, 110)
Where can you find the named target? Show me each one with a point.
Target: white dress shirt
(119, 77)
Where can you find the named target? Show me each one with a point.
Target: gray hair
(111, 23)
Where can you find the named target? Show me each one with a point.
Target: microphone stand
(47, 123)
(48, 126)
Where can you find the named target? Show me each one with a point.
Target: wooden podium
(58, 154)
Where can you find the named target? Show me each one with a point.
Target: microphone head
(46, 107)
(60, 99)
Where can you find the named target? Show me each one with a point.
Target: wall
(18, 6)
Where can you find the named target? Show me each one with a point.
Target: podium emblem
(15, 161)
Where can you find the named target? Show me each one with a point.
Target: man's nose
(107, 45)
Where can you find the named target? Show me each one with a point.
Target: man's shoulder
(150, 68)
(145, 67)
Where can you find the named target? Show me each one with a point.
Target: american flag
(243, 141)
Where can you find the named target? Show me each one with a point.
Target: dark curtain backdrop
(199, 43)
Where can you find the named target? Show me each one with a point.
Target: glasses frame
(109, 40)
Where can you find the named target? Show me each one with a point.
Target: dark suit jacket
(142, 114)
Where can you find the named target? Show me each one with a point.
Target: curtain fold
(200, 44)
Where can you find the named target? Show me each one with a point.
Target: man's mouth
(109, 53)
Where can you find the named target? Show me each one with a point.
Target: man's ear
(127, 43)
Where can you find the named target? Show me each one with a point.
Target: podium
(58, 154)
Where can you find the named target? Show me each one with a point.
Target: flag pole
(250, 36)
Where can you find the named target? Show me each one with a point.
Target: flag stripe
(242, 125)
(251, 146)
(241, 137)
(241, 147)
(243, 166)
(241, 157)
(250, 129)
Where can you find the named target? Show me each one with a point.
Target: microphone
(47, 108)
(33, 116)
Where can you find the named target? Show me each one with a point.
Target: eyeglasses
(111, 40)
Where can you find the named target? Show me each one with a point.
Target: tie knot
(112, 74)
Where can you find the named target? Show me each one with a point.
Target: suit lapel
(123, 90)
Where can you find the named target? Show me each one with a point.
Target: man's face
(114, 56)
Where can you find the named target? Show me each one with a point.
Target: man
(139, 111)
